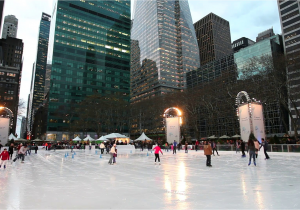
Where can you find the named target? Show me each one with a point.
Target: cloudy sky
(247, 18)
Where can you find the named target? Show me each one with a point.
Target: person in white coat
(112, 152)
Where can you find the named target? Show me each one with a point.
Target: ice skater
(4, 157)
(102, 147)
(11, 150)
(251, 149)
(208, 152)
(115, 155)
(214, 148)
(237, 146)
(186, 147)
(157, 149)
(243, 148)
(21, 154)
(36, 148)
(265, 145)
(196, 145)
(256, 144)
(112, 152)
(174, 147)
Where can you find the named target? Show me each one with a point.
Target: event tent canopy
(224, 137)
(236, 136)
(37, 139)
(143, 137)
(88, 138)
(115, 135)
(77, 139)
(11, 136)
(102, 138)
(212, 137)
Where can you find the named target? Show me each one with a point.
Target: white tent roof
(212, 137)
(143, 137)
(88, 138)
(115, 135)
(224, 137)
(102, 138)
(11, 136)
(37, 139)
(77, 139)
(236, 136)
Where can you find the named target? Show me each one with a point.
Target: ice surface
(51, 181)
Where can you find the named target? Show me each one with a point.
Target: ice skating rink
(51, 181)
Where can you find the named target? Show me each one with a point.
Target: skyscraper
(213, 36)
(90, 55)
(10, 27)
(164, 47)
(1, 12)
(265, 35)
(39, 70)
(290, 26)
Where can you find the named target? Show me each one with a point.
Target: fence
(271, 147)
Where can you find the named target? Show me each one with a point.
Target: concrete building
(10, 27)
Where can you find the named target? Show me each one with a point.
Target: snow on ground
(48, 180)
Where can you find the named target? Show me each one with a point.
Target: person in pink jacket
(157, 149)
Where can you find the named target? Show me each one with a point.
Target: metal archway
(179, 113)
(10, 113)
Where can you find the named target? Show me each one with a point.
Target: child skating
(157, 149)
(4, 158)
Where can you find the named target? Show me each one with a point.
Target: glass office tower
(164, 47)
(39, 68)
(90, 55)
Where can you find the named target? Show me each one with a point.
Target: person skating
(36, 149)
(28, 150)
(265, 145)
(251, 148)
(214, 148)
(21, 154)
(256, 144)
(102, 147)
(186, 147)
(174, 147)
(157, 149)
(112, 152)
(115, 155)
(208, 152)
(196, 145)
(11, 150)
(243, 148)
(1, 147)
(237, 146)
(4, 157)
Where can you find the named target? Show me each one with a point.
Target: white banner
(258, 124)
(173, 129)
(4, 129)
(244, 117)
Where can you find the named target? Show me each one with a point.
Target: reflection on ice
(181, 182)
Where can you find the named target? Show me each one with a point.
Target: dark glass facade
(90, 54)
(164, 48)
(39, 70)
(290, 24)
(213, 36)
(241, 43)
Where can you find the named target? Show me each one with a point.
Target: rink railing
(231, 147)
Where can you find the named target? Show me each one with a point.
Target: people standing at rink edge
(208, 152)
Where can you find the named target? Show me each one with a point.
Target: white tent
(77, 139)
(143, 137)
(11, 136)
(224, 137)
(212, 137)
(236, 136)
(37, 139)
(88, 138)
(114, 135)
(102, 138)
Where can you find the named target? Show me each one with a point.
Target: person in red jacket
(4, 158)
(157, 149)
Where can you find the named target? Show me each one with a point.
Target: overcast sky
(247, 18)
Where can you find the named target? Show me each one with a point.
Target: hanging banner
(173, 129)
(258, 125)
(4, 129)
(245, 125)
